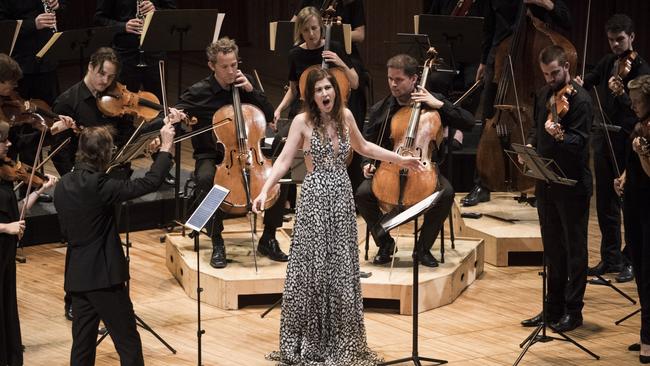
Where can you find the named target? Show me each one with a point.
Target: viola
(414, 132)
(118, 101)
(16, 171)
(329, 19)
(623, 67)
(558, 106)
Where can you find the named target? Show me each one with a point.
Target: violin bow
(514, 86)
(47, 158)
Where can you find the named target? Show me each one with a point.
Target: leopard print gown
(322, 308)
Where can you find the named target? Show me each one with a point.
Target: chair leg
(451, 229)
(367, 241)
(442, 244)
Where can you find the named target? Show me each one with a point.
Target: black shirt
(85, 202)
(571, 154)
(79, 103)
(30, 40)
(204, 98)
(118, 12)
(450, 115)
(8, 213)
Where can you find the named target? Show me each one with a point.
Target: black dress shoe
(567, 323)
(218, 259)
(169, 179)
(477, 195)
(537, 320)
(601, 268)
(44, 198)
(626, 274)
(385, 253)
(427, 259)
(644, 359)
(271, 248)
(634, 347)
(68, 312)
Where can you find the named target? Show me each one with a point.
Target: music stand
(180, 30)
(546, 170)
(76, 44)
(457, 39)
(196, 222)
(415, 45)
(9, 27)
(281, 36)
(389, 223)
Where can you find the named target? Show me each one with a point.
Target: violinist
(11, 230)
(139, 71)
(613, 92)
(202, 100)
(402, 71)
(563, 210)
(500, 22)
(634, 183)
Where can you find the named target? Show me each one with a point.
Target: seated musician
(202, 100)
(402, 80)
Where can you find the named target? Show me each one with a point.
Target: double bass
(244, 168)
(518, 78)
(414, 132)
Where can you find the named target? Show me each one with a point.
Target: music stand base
(535, 337)
(417, 360)
(601, 281)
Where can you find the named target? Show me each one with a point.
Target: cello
(415, 132)
(514, 101)
(244, 168)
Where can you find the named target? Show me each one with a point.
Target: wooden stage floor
(480, 328)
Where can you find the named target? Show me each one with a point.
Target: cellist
(500, 22)
(402, 71)
(563, 210)
(202, 100)
(613, 91)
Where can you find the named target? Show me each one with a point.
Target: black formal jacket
(30, 40)
(204, 98)
(450, 115)
(85, 202)
(571, 154)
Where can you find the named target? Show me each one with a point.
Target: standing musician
(124, 13)
(12, 228)
(634, 182)
(611, 87)
(563, 210)
(500, 22)
(202, 100)
(97, 271)
(402, 80)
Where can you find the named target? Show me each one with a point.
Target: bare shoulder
(349, 117)
(301, 123)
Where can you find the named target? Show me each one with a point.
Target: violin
(642, 130)
(16, 171)
(34, 112)
(329, 19)
(118, 101)
(558, 107)
(414, 132)
(623, 67)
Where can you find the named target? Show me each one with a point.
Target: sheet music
(19, 23)
(208, 206)
(411, 211)
(217, 26)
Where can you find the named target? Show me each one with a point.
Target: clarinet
(139, 15)
(48, 9)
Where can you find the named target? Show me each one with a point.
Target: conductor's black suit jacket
(85, 201)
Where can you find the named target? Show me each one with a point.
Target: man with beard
(563, 210)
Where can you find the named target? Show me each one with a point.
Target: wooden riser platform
(503, 240)
(222, 287)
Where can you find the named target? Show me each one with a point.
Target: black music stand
(388, 224)
(281, 37)
(196, 222)
(180, 30)
(132, 150)
(415, 45)
(76, 44)
(457, 39)
(10, 29)
(548, 171)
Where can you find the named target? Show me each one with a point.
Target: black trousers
(637, 235)
(368, 207)
(204, 170)
(608, 208)
(11, 352)
(563, 221)
(113, 306)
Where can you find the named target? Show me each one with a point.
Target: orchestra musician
(12, 228)
(563, 210)
(616, 105)
(202, 100)
(402, 71)
(500, 22)
(96, 270)
(633, 186)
